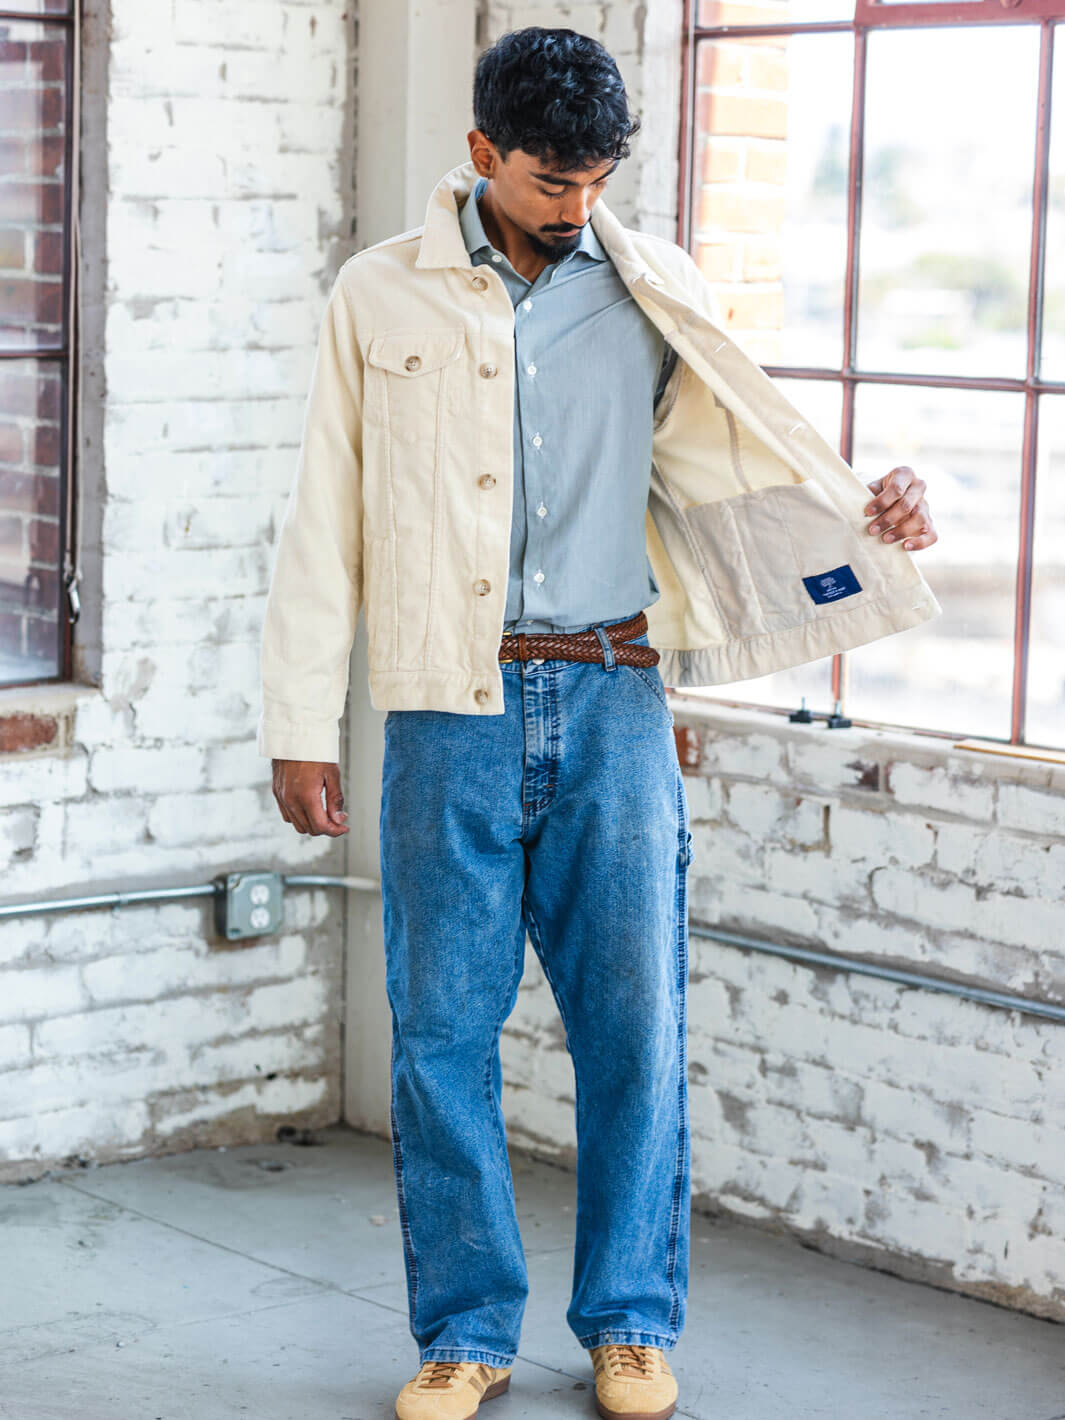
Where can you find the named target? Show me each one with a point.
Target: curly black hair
(554, 93)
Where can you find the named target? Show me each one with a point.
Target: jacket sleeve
(315, 591)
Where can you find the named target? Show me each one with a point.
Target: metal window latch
(73, 599)
(834, 721)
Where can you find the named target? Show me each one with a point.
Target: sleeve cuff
(309, 740)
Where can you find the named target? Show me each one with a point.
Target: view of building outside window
(943, 248)
(34, 104)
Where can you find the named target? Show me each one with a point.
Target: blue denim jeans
(565, 818)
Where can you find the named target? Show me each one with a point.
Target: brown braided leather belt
(580, 645)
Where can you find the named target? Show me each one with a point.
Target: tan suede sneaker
(633, 1382)
(450, 1390)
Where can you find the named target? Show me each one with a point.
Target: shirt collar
(476, 239)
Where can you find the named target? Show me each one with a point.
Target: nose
(577, 215)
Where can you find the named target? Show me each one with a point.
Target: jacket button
(480, 694)
(482, 588)
(479, 283)
(413, 362)
(486, 481)
(488, 372)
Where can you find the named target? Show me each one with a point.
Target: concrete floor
(268, 1281)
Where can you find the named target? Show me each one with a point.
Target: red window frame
(871, 15)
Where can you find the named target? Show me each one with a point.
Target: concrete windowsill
(698, 712)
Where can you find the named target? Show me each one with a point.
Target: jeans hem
(459, 1353)
(631, 1338)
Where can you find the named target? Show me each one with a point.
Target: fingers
(298, 786)
(891, 488)
(334, 796)
(915, 532)
(899, 510)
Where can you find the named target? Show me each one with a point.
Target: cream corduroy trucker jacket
(402, 497)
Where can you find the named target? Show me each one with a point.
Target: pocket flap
(414, 351)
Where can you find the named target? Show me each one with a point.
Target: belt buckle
(504, 659)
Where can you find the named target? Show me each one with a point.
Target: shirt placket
(536, 447)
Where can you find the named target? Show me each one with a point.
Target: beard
(555, 246)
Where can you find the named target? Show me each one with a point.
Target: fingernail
(874, 529)
(889, 537)
(908, 546)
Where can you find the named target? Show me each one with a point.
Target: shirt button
(413, 362)
(538, 577)
(482, 587)
(541, 511)
(480, 694)
(531, 369)
(488, 372)
(486, 480)
(526, 305)
(496, 256)
(479, 283)
(537, 440)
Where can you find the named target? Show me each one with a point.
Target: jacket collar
(442, 242)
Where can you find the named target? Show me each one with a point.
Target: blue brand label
(830, 586)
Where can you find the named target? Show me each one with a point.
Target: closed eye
(549, 192)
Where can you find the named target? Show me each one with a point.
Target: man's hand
(900, 512)
(298, 785)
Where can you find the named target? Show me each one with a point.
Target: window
(38, 600)
(877, 192)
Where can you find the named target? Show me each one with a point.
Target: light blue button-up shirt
(589, 368)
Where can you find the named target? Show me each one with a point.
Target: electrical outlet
(248, 905)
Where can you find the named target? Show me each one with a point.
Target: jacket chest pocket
(411, 366)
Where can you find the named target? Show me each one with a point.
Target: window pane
(773, 12)
(1053, 363)
(954, 673)
(782, 689)
(31, 401)
(1046, 653)
(947, 199)
(32, 172)
(770, 190)
(820, 402)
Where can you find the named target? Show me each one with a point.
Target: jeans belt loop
(608, 650)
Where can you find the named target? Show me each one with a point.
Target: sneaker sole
(496, 1388)
(609, 1414)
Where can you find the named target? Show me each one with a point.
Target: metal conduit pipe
(173, 894)
(1004, 1000)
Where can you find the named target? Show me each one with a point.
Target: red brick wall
(33, 240)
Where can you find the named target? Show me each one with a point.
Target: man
(525, 430)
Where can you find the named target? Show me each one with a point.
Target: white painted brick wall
(220, 183)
